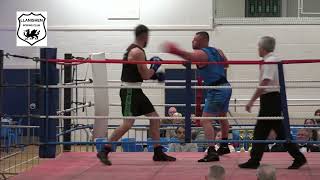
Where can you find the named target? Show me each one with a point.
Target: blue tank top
(213, 74)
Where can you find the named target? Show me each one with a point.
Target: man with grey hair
(270, 105)
(266, 172)
(216, 172)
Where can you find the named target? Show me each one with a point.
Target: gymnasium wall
(82, 27)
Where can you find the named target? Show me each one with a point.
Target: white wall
(289, 8)
(229, 8)
(81, 27)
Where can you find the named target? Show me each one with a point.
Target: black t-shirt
(130, 72)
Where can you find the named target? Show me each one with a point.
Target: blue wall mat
(16, 101)
(177, 96)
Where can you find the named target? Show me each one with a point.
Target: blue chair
(100, 146)
(294, 132)
(132, 146)
(236, 136)
(17, 133)
(10, 135)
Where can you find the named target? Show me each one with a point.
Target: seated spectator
(313, 132)
(198, 135)
(172, 133)
(182, 147)
(219, 137)
(310, 122)
(266, 172)
(317, 113)
(177, 121)
(171, 111)
(304, 135)
(168, 133)
(274, 147)
(216, 172)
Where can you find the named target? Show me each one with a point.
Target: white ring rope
(287, 99)
(89, 81)
(231, 105)
(179, 118)
(90, 104)
(179, 87)
(231, 81)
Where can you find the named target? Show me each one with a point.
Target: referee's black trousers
(270, 105)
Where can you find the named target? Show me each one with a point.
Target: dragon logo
(31, 28)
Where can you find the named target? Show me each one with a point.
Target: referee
(270, 105)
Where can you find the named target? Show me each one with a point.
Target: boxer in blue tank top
(217, 100)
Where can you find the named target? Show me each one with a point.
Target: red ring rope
(199, 97)
(238, 62)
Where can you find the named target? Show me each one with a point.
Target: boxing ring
(139, 165)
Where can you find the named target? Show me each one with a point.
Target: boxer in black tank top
(133, 101)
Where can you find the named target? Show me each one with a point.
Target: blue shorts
(217, 100)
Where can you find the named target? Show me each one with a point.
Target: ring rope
(235, 62)
(177, 118)
(120, 61)
(177, 87)
(87, 104)
(232, 105)
(231, 81)
(176, 141)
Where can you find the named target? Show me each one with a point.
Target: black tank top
(130, 72)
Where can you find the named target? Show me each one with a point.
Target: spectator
(168, 133)
(313, 132)
(219, 137)
(177, 121)
(198, 134)
(182, 147)
(274, 147)
(216, 172)
(266, 172)
(317, 113)
(171, 111)
(310, 122)
(304, 135)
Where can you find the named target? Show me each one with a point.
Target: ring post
(1, 88)
(49, 103)
(101, 100)
(284, 104)
(67, 103)
(188, 93)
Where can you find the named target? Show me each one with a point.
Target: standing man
(270, 105)
(217, 100)
(133, 101)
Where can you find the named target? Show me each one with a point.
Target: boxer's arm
(196, 55)
(137, 55)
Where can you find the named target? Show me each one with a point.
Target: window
(263, 8)
(266, 11)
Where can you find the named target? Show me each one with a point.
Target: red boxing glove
(171, 48)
